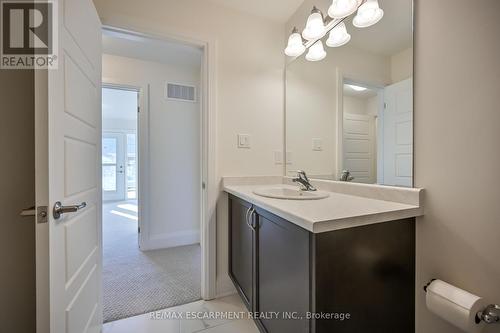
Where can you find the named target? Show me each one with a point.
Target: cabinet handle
(246, 215)
(250, 212)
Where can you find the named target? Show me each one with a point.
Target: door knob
(59, 209)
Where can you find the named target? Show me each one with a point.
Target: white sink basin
(290, 193)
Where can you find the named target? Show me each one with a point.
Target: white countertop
(338, 211)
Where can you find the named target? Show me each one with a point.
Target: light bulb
(343, 8)
(315, 27)
(316, 52)
(295, 47)
(338, 36)
(368, 14)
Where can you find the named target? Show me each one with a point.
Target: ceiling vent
(180, 92)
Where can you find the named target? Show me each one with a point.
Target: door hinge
(41, 214)
(138, 109)
(385, 105)
(139, 229)
(203, 186)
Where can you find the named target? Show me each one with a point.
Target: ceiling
(162, 51)
(275, 10)
(391, 35)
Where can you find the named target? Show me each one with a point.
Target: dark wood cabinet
(367, 273)
(241, 250)
(282, 274)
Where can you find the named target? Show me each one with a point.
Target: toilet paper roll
(456, 306)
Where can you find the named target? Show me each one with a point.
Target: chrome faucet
(346, 176)
(302, 179)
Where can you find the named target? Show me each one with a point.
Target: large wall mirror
(349, 116)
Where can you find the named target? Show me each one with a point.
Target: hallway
(136, 282)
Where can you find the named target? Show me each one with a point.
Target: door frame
(142, 158)
(209, 187)
(342, 78)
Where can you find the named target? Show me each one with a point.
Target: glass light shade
(368, 14)
(338, 36)
(316, 52)
(295, 47)
(343, 8)
(315, 27)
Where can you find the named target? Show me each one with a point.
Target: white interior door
(73, 175)
(113, 166)
(359, 147)
(398, 134)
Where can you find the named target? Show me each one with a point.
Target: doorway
(119, 143)
(375, 138)
(152, 164)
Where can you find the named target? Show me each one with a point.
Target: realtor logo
(29, 38)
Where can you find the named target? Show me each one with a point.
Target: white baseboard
(163, 241)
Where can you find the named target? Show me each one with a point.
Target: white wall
(372, 105)
(311, 98)
(249, 60)
(249, 89)
(356, 105)
(457, 154)
(401, 65)
(174, 139)
(310, 113)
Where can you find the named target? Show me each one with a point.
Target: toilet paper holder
(490, 314)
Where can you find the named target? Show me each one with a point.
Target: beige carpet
(136, 282)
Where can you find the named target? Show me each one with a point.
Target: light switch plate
(243, 141)
(288, 157)
(317, 144)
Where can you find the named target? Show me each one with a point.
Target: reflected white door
(73, 147)
(359, 147)
(398, 134)
(113, 166)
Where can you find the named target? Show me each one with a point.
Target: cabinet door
(282, 273)
(241, 240)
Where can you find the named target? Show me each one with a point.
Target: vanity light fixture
(318, 26)
(315, 26)
(338, 36)
(343, 8)
(316, 52)
(356, 88)
(295, 46)
(368, 14)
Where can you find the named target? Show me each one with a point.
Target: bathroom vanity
(345, 263)
(344, 253)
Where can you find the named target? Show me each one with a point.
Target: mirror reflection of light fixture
(295, 46)
(318, 26)
(316, 52)
(338, 36)
(356, 88)
(343, 8)
(315, 26)
(368, 14)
